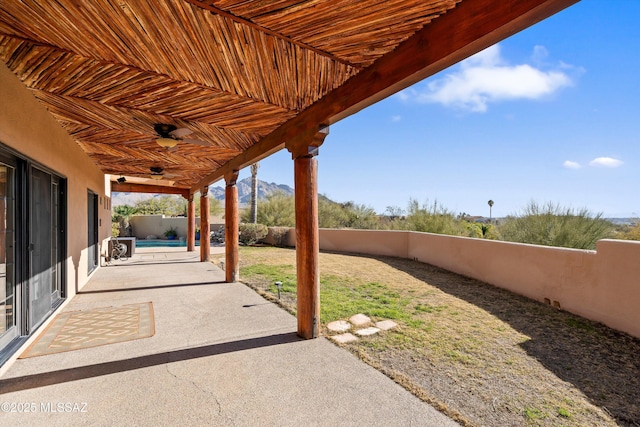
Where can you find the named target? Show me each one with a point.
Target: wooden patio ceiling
(244, 76)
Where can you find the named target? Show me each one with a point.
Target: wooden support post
(231, 222)
(307, 235)
(191, 224)
(205, 241)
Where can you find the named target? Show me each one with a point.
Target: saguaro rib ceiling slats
(241, 75)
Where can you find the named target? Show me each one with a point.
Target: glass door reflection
(8, 329)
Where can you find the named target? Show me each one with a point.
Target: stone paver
(359, 319)
(339, 326)
(344, 338)
(367, 331)
(385, 325)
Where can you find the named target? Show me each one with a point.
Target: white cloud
(540, 54)
(396, 118)
(486, 77)
(404, 95)
(571, 165)
(606, 162)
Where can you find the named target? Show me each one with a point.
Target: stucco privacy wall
(601, 285)
(391, 243)
(147, 225)
(28, 128)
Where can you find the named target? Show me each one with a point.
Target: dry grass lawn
(479, 354)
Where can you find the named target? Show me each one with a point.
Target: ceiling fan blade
(197, 142)
(180, 133)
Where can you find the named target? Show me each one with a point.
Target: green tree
(124, 211)
(490, 203)
(170, 205)
(120, 216)
(215, 206)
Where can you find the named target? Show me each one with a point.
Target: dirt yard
(479, 354)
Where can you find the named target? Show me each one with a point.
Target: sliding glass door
(40, 247)
(92, 241)
(8, 298)
(32, 247)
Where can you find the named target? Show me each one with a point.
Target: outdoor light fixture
(167, 142)
(121, 180)
(156, 176)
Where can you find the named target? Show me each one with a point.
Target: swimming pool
(163, 243)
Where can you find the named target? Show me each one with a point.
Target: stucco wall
(394, 243)
(602, 285)
(28, 128)
(146, 225)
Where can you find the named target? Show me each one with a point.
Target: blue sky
(551, 114)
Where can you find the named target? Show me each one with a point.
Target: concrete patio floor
(220, 355)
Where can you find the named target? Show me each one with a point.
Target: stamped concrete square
(339, 326)
(367, 331)
(385, 325)
(344, 338)
(359, 319)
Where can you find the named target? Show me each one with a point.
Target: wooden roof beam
(126, 187)
(470, 27)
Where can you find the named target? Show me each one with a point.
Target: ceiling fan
(170, 135)
(157, 173)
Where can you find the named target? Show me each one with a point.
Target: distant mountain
(244, 190)
(622, 221)
(244, 193)
(121, 199)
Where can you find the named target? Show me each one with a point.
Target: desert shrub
(250, 234)
(553, 225)
(491, 232)
(345, 215)
(360, 216)
(394, 218)
(434, 218)
(629, 232)
(330, 215)
(474, 229)
(115, 229)
(279, 235)
(276, 211)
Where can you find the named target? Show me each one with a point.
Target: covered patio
(220, 355)
(172, 96)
